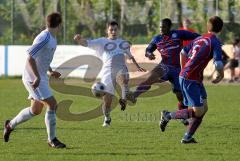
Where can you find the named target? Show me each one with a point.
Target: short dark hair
(112, 23)
(167, 21)
(54, 20)
(217, 24)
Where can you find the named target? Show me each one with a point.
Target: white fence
(12, 59)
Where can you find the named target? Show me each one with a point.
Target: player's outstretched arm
(32, 63)
(137, 65)
(80, 40)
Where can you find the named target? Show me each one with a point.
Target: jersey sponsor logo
(125, 45)
(110, 46)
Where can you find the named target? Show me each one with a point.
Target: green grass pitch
(134, 134)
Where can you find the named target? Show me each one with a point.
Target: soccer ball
(98, 89)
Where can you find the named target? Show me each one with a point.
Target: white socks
(50, 121)
(26, 114)
(22, 116)
(125, 90)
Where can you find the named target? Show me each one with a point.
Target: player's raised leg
(154, 77)
(191, 78)
(181, 106)
(23, 116)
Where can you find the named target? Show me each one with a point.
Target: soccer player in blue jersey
(199, 53)
(169, 44)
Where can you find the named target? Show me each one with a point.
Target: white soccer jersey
(42, 50)
(112, 52)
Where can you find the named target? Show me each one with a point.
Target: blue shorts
(193, 92)
(172, 76)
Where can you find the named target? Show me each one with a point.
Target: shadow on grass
(83, 128)
(90, 154)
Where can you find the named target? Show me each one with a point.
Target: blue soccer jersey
(169, 46)
(199, 52)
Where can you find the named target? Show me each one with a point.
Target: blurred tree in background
(22, 20)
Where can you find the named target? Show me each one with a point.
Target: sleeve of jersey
(152, 46)
(94, 44)
(40, 43)
(217, 55)
(186, 49)
(187, 35)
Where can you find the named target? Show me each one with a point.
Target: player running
(111, 50)
(35, 80)
(199, 52)
(169, 44)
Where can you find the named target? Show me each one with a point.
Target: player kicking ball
(199, 53)
(35, 80)
(111, 50)
(169, 45)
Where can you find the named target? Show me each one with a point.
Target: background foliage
(21, 20)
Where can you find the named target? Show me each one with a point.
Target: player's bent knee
(198, 114)
(199, 111)
(36, 107)
(205, 105)
(36, 112)
(51, 103)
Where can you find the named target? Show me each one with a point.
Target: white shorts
(40, 93)
(109, 76)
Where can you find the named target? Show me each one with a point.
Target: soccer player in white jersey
(111, 50)
(35, 80)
